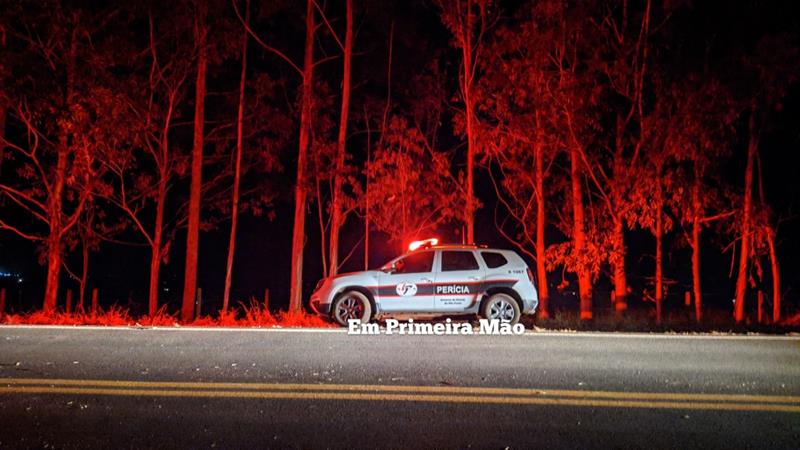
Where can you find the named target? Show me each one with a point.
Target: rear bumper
(529, 306)
(528, 295)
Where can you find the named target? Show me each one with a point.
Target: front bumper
(321, 309)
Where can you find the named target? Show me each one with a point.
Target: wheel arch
(367, 293)
(500, 290)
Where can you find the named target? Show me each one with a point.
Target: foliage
(412, 191)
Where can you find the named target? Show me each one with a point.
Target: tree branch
(328, 24)
(30, 237)
(266, 46)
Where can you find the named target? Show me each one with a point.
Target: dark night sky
(263, 253)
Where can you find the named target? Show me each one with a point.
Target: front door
(409, 288)
(458, 280)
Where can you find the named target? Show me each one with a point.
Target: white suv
(433, 280)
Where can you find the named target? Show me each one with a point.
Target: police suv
(432, 280)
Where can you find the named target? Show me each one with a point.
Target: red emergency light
(416, 245)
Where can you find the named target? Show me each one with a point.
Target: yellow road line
(463, 390)
(503, 400)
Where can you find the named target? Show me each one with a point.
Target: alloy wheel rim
(502, 310)
(350, 308)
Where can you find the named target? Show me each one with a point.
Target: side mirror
(389, 268)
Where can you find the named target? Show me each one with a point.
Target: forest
(635, 152)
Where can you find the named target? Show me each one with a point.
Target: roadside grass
(301, 319)
(633, 320)
(227, 318)
(160, 319)
(113, 316)
(252, 314)
(255, 314)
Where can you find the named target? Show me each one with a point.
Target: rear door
(458, 280)
(410, 286)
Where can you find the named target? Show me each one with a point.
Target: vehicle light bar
(416, 245)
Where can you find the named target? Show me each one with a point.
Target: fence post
(69, 301)
(198, 304)
(2, 302)
(94, 301)
(760, 306)
(266, 299)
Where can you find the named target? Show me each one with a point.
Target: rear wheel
(501, 307)
(351, 305)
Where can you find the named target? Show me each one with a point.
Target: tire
(351, 305)
(503, 307)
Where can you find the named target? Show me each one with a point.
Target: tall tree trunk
(696, 207)
(620, 278)
(193, 231)
(366, 240)
(468, 111)
(55, 199)
(298, 234)
(155, 268)
(659, 256)
(776, 277)
(541, 270)
(366, 195)
(341, 149)
(323, 247)
(53, 272)
(741, 280)
(84, 274)
(579, 238)
(237, 170)
(158, 233)
(618, 232)
(162, 162)
(55, 204)
(769, 233)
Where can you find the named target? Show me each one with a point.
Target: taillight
(530, 274)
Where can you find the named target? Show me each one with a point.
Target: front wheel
(501, 307)
(351, 305)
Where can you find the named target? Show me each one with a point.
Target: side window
(458, 260)
(416, 263)
(494, 260)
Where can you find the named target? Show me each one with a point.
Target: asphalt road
(177, 388)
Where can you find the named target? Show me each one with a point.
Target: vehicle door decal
(404, 289)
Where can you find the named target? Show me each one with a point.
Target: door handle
(474, 278)
(427, 280)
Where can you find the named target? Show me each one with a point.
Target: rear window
(458, 260)
(494, 260)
